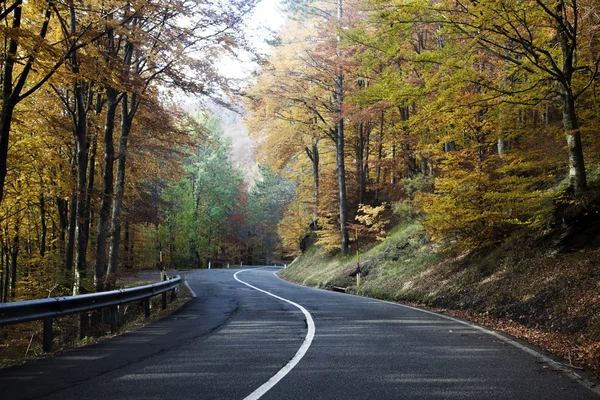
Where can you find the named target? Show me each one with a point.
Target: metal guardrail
(47, 309)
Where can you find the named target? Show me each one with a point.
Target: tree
(534, 44)
(268, 200)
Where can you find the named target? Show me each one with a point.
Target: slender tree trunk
(315, 165)
(117, 207)
(449, 146)
(359, 152)
(410, 162)
(62, 206)
(424, 164)
(339, 145)
(90, 186)
(365, 169)
(70, 247)
(44, 229)
(313, 155)
(379, 158)
(393, 174)
(14, 254)
(81, 239)
(6, 274)
(107, 190)
(501, 147)
(3, 272)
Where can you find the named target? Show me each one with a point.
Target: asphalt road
(235, 341)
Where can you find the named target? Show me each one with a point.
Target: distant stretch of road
(250, 335)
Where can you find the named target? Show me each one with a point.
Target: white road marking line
(189, 288)
(591, 385)
(268, 385)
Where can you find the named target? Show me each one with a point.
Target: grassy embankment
(522, 287)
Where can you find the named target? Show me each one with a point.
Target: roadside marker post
(357, 259)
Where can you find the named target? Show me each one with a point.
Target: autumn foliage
(482, 114)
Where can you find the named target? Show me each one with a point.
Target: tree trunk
(341, 175)
(313, 155)
(365, 169)
(424, 164)
(117, 207)
(70, 247)
(339, 145)
(501, 147)
(62, 207)
(3, 272)
(6, 274)
(14, 254)
(107, 189)
(379, 158)
(410, 162)
(43, 226)
(577, 175)
(359, 151)
(90, 187)
(568, 46)
(449, 147)
(82, 144)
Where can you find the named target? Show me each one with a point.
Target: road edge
(588, 382)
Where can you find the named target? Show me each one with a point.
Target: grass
(385, 267)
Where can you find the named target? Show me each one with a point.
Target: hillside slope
(522, 287)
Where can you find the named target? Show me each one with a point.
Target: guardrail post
(47, 344)
(113, 319)
(147, 308)
(164, 300)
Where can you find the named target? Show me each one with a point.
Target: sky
(262, 24)
(266, 19)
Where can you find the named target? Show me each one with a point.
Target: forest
(452, 145)
(479, 116)
(445, 155)
(102, 172)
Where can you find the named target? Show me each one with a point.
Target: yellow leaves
(373, 219)
(294, 226)
(480, 205)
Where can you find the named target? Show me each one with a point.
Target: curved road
(253, 337)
